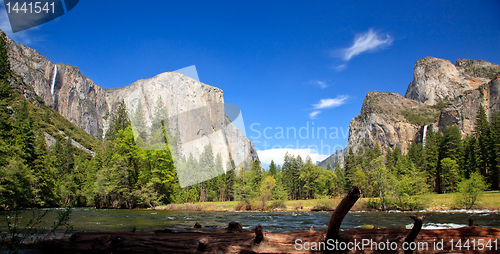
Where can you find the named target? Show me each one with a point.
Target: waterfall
(423, 137)
(53, 81)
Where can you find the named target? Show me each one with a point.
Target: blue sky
(286, 64)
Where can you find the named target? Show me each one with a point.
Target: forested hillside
(444, 164)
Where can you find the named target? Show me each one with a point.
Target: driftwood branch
(259, 235)
(417, 225)
(340, 212)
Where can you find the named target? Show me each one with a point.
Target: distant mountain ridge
(64, 88)
(440, 94)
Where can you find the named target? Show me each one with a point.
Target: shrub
(277, 204)
(469, 190)
(373, 203)
(243, 205)
(324, 205)
(408, 203)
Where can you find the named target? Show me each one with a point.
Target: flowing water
(85, 219)
(424, 134)
(53, 81)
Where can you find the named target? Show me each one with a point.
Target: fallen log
(243, 242)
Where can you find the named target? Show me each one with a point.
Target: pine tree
(431, 158)
(6, 91)
(469, 161)
(272, 168)
(119, 121)
(349, 168)
(415, 152)
(450, 174)
(451, 146)
(139, 122)
(483, 137)
(160, 114)
(309, 175)
(230, 180)
(290, 173)
(207, 170)
(495, 152)
(44, 178)
(255, 177)
(382, 180)
(328, 167)
(5, 71)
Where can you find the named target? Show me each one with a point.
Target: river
(87, 219)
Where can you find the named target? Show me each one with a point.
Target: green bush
(324, 205)
(373, 203)
(277, 204)
(408, 203)
(469, 190)
(243, 205)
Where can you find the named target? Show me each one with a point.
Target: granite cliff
(64, 88)
(440, 94)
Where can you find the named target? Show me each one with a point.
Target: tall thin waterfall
(423, 137)
(53, 81)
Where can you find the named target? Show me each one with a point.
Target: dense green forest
(123, 174)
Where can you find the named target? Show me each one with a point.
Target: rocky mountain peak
(436, 80)
(440, 94)
(478, 68)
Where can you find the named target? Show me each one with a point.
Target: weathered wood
(202, 244)
(417, 225)
(340, 212)
(243, 242)
(471, 222)
(259, 236)
(234, 227)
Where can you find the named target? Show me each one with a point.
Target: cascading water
(53, 81)
(423, 137)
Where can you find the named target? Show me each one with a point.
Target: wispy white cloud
(321, 84)
(339, 67)
(369, 41)
(331, 103)
(313, 114)
(278, 155)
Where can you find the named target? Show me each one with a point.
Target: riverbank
(489, 200)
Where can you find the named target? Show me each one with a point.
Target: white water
(423, 137)
(53, 81)
(438, 226)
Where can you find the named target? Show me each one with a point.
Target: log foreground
(245, 242)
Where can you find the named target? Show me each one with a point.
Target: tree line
(445, 163)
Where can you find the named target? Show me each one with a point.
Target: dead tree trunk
(417, 225)
(340, 212)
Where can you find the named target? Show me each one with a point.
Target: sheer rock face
(436, 79)
(391, 120)
(388, 120)
(463, 110)
(89, 106)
